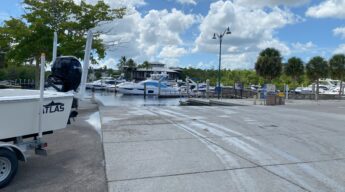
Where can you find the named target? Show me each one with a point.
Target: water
(118, 99)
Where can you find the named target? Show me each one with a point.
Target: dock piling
(144, 90)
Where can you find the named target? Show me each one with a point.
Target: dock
(219, 102)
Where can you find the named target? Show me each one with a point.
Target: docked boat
(153, 87)
(106, 83)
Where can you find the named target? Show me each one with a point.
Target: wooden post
(187, 86)
(241, 93)
(207, 88)
(159, 88)
(144, 90)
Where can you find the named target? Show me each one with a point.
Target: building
(155, 67)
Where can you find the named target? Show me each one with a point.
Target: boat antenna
(54, 47)
(86, 64)
(40, 108)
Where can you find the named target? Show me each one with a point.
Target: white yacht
(105, 83)
(153, 86)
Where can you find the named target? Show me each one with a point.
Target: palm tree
(294, 68)
(146, 65)
(122, 63)
(269, 64)
(317, 68)
(337, 69)
(131, 65)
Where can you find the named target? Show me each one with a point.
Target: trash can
(271, 99)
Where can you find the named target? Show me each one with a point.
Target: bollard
(159, 88)
(144, 90)
(241, 91)
(187, 86)
(207, 88)
(260, 99)
(286, 92)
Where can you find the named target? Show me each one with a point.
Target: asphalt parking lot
(74, 163)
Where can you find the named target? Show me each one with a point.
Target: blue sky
(179, 32)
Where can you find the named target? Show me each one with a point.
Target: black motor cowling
(66, 76)
(66, 72)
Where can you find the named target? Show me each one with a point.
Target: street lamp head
(228, 32)
(214, 36)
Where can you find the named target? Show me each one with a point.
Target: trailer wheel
(8, 166)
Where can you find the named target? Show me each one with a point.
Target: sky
(179, 32)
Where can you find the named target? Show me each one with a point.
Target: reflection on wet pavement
(112, 99)
(95, 121)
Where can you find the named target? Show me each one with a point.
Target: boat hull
(19, 114)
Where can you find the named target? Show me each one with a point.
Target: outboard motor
(66, 76)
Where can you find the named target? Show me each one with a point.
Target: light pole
(220, 37)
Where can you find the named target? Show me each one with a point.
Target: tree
(337, 69)
(131, 65)
(294, 68)
(32, 34)
(122, 64)
(269, 64)
(146, 65)
(317, 68)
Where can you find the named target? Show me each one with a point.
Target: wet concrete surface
(117, 99)
(203, 148)
(74, 163)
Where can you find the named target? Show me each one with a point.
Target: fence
(19, 83)
(312, 96)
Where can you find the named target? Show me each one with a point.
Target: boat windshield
(153, 84)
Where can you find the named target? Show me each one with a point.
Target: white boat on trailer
(17, 115)
(33, 113)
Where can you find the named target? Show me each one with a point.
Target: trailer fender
(19, 153)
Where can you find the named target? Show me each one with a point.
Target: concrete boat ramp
(222, 149)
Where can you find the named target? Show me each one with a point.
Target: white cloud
(164, 27)
(243, 60)
(193, 2)
(170, 62)
(172, 52)
(274, 43)
(252, 31)
(118, 3)
(151, 37)
(204, 65)
(270, 3)
(328, 8)
(300, 47)
(339, 31)
(110, 63)
(340, 49)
